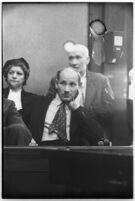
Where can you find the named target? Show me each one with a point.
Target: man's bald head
(70, 72)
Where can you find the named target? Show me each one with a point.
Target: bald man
(63, 120)
(97, 95)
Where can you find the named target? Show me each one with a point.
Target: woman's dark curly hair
(21, 62)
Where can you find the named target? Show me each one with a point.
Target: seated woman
(16, 73)
(15, 132)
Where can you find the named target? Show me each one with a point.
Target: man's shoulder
(53, 79)
(29, 98)
(28, 94)
(95, 75)
(43, 100)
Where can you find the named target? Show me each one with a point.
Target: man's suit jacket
(27, 100)
(14, 129)
(83, 127)
(99, 95)
(10, 114)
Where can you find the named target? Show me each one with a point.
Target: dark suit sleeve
(15, 130)
(38, 117)
(107, 100)
(13, 116)
(90, 128)
(108, 95)
(52, 90)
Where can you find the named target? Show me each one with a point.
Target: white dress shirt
(16, 97)
(83, 88)
(52, 109)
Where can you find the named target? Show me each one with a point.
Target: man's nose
(74, 62)
(67, 88)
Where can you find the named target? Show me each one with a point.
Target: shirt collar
(83, 77)
(57, 100)
(17, 92)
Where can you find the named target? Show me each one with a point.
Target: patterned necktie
(58, 125)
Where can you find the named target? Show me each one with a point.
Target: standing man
(97, 95)
(61, 120)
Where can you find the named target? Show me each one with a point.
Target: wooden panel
(73, 172)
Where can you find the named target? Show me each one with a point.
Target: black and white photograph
(68, 80)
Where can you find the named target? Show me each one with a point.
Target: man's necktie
(58, 125)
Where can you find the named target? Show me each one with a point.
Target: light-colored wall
(37, 32)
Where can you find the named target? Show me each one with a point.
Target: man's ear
(88, 59)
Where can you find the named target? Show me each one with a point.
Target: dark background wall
(118, 18)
